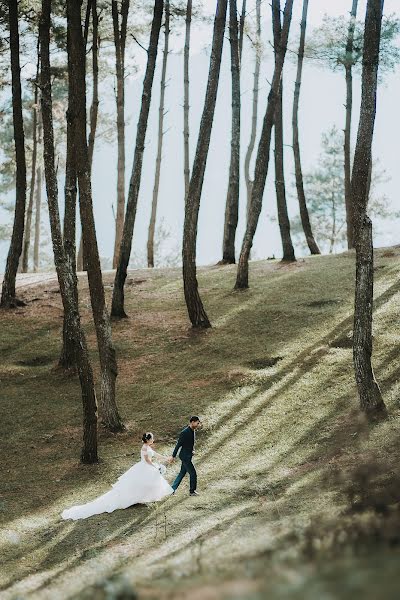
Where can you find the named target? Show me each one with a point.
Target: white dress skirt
(143, 482)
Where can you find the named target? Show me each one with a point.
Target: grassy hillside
(297, 491)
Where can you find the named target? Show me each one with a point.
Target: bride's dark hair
(146, 437)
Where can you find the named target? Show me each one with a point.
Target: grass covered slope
(282, 437)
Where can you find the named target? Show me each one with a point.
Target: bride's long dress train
(143, 482)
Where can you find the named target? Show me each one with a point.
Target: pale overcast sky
(322, 105)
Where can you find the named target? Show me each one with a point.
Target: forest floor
(299, 495)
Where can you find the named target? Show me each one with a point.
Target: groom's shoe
(194, 493)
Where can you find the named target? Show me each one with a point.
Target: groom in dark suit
(185, 450)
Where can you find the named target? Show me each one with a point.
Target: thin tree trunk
(38, 203)
(186, 134)
(66, 276)
(28, 223)
(241, 29)
(333, 233)
(8, 298)
(304, 214)
(94, 109)
(283, 216)
(197, 314)
(262, 161)
(152, 225)
(256, 79)
(347, 129)
(232, 200)
(77, 113)
(118, 309)
(371, 401)
(119, 41)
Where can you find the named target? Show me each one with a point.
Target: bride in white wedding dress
(143, 482)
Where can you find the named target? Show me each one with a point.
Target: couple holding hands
(144, 482)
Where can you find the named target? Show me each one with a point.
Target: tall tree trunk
(347, 129)
(241, 29)
(68, 355)
(283, 217)
(8, 298)
(38, 203)
(232, 200)
(262, 161)
(118, 309)
(153, 216)
(371, 401)
(67, 358)
(94, 108)
(91, 8)
(304, 214)
(119, 42)
(197, 314)
(186, 53)
(66, 276)
(28, 222)
(77, 113)
(256, 79)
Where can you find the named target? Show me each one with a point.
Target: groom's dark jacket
(185, 443)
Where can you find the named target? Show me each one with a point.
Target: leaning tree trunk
(8, 298)
(347, 129)
(66, 276)
(197, 314)
(262, 161)
(232, 200)
(152, 225)
(253, 133)
(77, 113)
(28, 222)
(186, 52)
(371, 401)
(118, 309)
(119, 42)
(304, 214)
(283, 216)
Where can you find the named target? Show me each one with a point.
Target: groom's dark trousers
(186, 467)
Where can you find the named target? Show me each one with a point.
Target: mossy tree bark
(77, 112)
(371, 401)
(66, 275)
